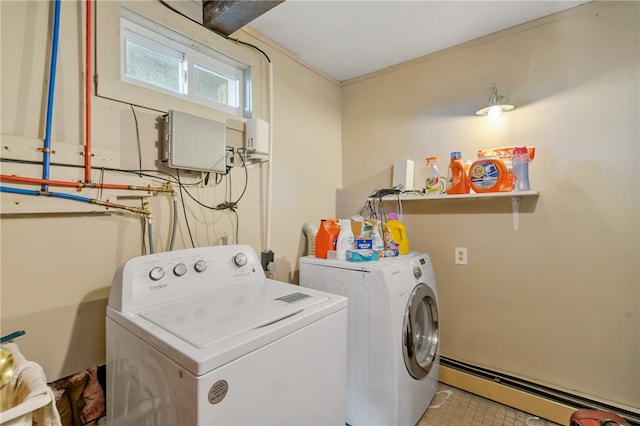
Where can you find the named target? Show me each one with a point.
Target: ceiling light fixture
(497, 104)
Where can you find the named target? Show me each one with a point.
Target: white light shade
(497, 104)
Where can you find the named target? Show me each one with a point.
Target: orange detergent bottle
(490, 174)
(326, 237)
(457, 181)
(493, 170)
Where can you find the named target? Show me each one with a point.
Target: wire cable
(184, 209)
(135, 118)
(226, 205)
(235, 40)
(144, 173)
(174, 225)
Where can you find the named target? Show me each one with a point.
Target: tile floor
(455, 407)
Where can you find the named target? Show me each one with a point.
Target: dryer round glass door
(420, 331)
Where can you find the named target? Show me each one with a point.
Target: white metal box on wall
(194, 143)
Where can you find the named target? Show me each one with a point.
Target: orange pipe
(80, 185)
(87, 102)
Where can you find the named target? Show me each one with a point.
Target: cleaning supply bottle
(520, 164)
(433, 184)
(457, 181)
(376, 236)
(490, 174)
(397, 234)
(346, 239)
(327, 237)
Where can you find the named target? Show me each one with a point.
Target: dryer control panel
(162, 277)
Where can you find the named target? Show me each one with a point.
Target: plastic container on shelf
(505, 152)
(433, 184)
(396, 234)
(327, 237)
(490, 174)
(457, 180)
(520, 163)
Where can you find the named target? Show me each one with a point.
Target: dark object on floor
(587, 417)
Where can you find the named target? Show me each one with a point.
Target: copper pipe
(80, 185)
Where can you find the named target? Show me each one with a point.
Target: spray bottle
(345, 239)
(433, 184)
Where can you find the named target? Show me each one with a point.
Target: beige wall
(558, 301)
(555, 302)
(57, 265)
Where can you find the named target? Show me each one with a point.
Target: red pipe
(80, 185)
(87, 102)
(87, 147)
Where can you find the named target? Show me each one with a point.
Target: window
(158, 59)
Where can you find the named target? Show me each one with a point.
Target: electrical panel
(195, 143)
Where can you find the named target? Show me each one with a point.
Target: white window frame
(227, 71)
(189, 52)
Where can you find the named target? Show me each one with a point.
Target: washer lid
(220, 315)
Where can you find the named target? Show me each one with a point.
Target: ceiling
(346, 39)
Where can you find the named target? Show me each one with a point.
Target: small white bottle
(345, 240)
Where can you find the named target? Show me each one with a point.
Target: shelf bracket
(515, 210)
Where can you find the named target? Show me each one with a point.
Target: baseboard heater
(537, 389)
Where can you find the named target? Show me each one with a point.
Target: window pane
(152, 67)
(161, 60)
(215, 86)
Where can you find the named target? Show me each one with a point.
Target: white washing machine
(392, 356)
(200, 337)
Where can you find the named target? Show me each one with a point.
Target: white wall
(558, 301)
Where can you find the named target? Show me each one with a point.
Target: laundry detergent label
(432, 185)
(484, 174)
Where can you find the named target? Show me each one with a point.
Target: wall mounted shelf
(418, 196)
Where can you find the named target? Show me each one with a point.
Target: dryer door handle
(407, 335)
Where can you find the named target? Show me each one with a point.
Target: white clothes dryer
(200, 337)
(393, 356)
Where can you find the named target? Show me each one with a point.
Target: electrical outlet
(229, 157)
(461, 256)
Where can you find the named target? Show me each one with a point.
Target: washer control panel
(160, 277)
(179, 269)
(421, 269)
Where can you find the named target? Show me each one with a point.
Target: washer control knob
(180, 269)
(417, 272)
(200, 266)
(240, 259)
(157, 273)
